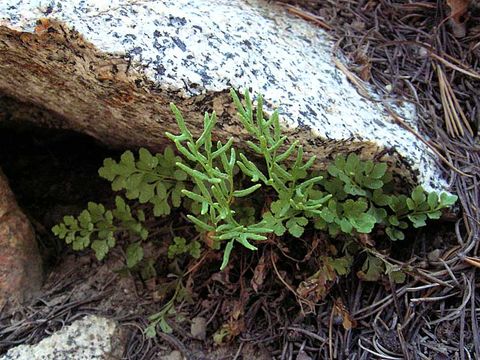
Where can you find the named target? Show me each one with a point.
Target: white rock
(91, 338)
(202, 46)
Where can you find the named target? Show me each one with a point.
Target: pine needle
(455, 120)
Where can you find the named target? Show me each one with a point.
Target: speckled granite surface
(92, 338)
(193, 47)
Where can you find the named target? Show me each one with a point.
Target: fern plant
(212, 171)
(363, 197)
(97, 228)
(218, 185)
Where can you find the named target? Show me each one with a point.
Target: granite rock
(20, 262)
(91, 338)
(198, 49)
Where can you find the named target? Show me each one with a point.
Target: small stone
(434, 256)
(358, 25)
(199, 328)
(422, 52)
(174, 355)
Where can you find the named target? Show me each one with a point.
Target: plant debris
(427, 52)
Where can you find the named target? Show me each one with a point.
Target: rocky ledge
(110, 68)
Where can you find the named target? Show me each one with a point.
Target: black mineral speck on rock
(136, 51)
(312, 112)
(160, 69)
(48, 10)
(179, 43)
(177, 21)
(247, 43)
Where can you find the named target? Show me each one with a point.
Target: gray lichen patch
(92, 338)
(207, 46)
